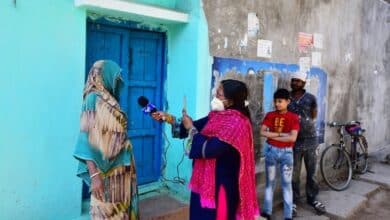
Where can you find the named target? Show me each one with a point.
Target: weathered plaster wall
(373, 80)
(355, 53)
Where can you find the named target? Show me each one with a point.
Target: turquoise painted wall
(160, 3)
(189, 74)
(42, 53)
(43, 56)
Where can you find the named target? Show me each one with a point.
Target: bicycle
(338, 164)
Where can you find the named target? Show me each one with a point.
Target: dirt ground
(378, 207)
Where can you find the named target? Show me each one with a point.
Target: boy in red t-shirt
(280, 127)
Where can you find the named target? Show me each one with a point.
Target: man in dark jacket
(304, 104)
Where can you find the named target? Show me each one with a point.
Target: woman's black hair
(237, 92)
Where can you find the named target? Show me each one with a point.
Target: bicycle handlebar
(341, 124)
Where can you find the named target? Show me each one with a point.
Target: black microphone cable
(177, 179)
(150, 108)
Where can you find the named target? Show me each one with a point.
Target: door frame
(135, 26)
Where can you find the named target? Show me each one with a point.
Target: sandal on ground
(319, 207)
(294, 210)
(265, 215)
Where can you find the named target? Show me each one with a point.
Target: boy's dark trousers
(309, 156)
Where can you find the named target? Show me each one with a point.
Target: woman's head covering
(102, 117)
(104, 76)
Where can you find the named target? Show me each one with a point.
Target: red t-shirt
(282, 123)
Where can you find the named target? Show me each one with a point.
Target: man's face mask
(217, 104)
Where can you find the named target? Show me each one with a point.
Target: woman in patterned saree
(106, 161)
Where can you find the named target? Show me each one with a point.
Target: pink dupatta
(234, 128)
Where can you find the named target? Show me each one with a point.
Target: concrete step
(377, 207)
(339, 205)
(163, 207)
(342, 205)
(379, 173)
(303, 214)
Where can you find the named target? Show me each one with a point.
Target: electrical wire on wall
(176, 179)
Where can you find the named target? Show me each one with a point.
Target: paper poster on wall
(304, 64)
(318, 41)
(305, 40)
(253, 24)
(316, 59)
(264, 48)
(244, 41)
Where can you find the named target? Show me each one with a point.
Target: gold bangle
(169, 119)
(95, 174)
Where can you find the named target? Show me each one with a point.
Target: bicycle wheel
(361, 163)
(336, 167)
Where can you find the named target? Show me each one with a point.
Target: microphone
(147, 108)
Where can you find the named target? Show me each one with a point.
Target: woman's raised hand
(159, 116)
(187, 121)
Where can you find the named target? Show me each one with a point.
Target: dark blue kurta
(227, 169)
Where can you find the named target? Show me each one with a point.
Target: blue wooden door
(140, 55)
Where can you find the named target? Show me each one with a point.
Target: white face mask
(217, 104)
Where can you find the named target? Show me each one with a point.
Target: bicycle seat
(354, 129)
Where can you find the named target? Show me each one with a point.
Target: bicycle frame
(352, 155)
(343, 160)
(354, 141)
(341, 145)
